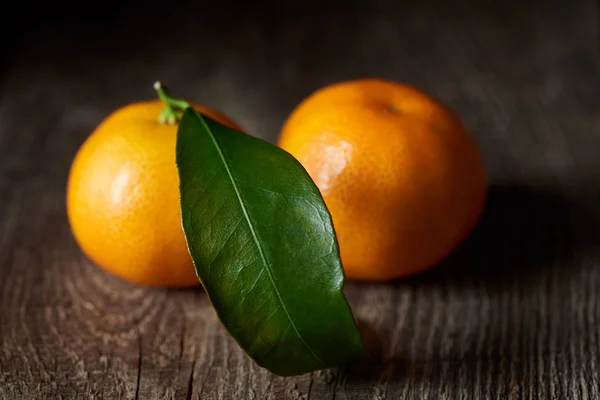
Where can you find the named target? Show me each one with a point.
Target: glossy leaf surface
(264, 248)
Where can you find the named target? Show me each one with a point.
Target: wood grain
(514, 314)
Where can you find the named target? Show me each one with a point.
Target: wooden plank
(512, 315)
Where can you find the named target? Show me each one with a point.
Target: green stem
(174, 108)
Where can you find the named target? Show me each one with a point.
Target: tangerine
(403, 179)
(123, 194)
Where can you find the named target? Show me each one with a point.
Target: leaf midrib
(255, 237)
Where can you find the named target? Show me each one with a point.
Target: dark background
(512, 314)
(258, 60)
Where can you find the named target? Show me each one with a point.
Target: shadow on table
(524, 229)
(525, 232)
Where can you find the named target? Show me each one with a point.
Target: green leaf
(264, 248)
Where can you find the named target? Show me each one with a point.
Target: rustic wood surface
(514, 314)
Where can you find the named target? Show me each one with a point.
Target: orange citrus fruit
(123, 195)
(404, 181)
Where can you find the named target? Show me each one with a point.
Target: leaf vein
(255, 236)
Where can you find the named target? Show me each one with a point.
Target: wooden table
(514, 314)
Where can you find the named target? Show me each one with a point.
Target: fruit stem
(174, 108)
